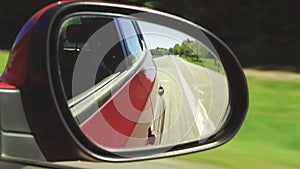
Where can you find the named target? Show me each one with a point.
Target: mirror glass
(134, 84)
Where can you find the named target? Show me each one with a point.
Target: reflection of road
(190, 99)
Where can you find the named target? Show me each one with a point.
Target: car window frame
(104, 88)
(140, 41)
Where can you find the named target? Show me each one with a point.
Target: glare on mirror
(134, 84)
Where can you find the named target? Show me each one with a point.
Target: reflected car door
(126, 75)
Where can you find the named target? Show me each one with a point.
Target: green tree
(176, 49)
(159, 51)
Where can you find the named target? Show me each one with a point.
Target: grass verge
(270, 135)
(3, 60)
(204, 62)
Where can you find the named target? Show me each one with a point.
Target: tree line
(188, 47)
(261, 33)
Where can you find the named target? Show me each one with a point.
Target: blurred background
(265, 37)
(263, 34)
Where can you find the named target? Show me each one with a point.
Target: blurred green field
(3, 60)
(270, 136)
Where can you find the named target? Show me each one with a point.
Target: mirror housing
(50, 127)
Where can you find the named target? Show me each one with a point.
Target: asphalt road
(195, 100)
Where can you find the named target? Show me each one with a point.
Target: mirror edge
(238, 94)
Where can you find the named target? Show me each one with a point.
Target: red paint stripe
(6, 86)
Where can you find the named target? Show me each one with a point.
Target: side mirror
(100, 81)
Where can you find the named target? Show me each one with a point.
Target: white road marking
(204, 124)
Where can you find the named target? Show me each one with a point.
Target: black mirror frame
(51, 121)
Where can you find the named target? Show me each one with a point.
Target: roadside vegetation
(208, 63)
(3, 60)
(191, 51)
